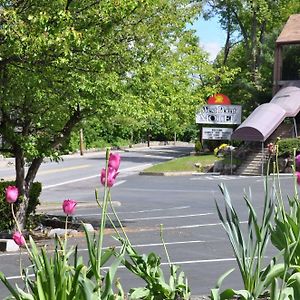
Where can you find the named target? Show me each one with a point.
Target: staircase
(253, 164)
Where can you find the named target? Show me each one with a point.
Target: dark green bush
(198, 146)
(6, 220)
(286, 146)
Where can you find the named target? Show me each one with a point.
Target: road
(184, 204)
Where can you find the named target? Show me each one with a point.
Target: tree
(62, 61)
(252, 28)
(168, 91)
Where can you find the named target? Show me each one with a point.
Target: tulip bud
(111, 176)
(297, 159)
(298, 177)
(114, 161)
(69, 206)
(18, 238)
(11, 194)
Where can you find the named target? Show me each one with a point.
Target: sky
(212, 37)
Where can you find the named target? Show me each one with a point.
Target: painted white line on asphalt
(136, 212)
(200, 261)
(69, 181)
(196, 226)
(93, 176)
(135, 246)
(170, 190)
(119, 182)
(168, 244)
(166, 217)
(161, 157)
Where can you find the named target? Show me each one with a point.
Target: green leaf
(139, 293)
(9, 286)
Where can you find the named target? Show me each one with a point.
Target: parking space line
(167, 217)
(196, 226)
(136, 212)
(92, 176)
(184, 262)
(171, 190)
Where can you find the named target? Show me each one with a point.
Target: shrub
(6, 221)
(198, 146)
(286, 146)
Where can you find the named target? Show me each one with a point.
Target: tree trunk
(23, 189)
(24, 184)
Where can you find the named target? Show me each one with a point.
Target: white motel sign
(219, 114)
(215, 133)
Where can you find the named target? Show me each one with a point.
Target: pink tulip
(11, 194)
(111, 176)
(114, 161)
(297, 159)
(69, 206)
(271, 148)
(18, 238)
(298, 177)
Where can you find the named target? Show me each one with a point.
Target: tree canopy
(252, 28)
(64, 61)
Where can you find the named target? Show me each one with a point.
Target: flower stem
(18, 227)
(66, 235)
(164, 244)
(119, 221)
(103, 221)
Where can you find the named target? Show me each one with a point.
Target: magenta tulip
(114, 161)
(11, 194)
(69, 206)
(111, 176)
(297, 159)
(18, 238)
(298, 177)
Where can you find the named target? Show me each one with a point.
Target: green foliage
(252, 28)
(130, 68)
(6, 222)
(64, 276)
(148, 268)
(182, 164)
(286, 146)
(198, 146)
(249, 249)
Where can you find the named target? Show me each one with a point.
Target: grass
(183, 164)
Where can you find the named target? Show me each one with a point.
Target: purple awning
(265, 119)
(260, 124)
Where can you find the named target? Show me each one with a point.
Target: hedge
(286, 147)
(6, 220)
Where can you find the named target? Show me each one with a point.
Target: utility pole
(81, 141)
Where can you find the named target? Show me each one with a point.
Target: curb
(165, 173)
(145, 173)
(8, 245)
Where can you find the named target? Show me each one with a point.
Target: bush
(198, 146)
(6, 221)
(286, 146)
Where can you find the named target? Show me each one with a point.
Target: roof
(263, 121)
(289, 99)
(260, 124)
(290, 33)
